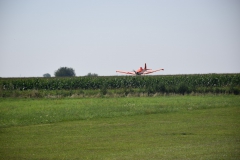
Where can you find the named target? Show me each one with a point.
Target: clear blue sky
(181, 36)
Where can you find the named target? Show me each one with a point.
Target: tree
(92, 75)
(47, 75)
(65, 72)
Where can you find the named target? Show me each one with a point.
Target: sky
(90, 36)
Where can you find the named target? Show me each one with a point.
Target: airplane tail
(145, 67)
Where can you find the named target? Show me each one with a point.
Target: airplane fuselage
(140, 71)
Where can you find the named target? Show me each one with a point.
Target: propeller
(136, 72)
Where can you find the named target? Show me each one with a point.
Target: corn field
(150, 84)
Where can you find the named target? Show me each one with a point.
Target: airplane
(141, 71)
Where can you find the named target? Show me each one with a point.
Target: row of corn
(116, 82)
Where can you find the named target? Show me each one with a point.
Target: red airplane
(141, 71)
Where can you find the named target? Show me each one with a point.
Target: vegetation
(124, 126)
(92, 74)
(123, 85)
(166, 127)
(47, 75)
(65, 72)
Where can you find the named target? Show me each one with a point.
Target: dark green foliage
(150, 88)
(64, 72)
(47, 75)
(183, 88)
(103, 89)
(179, 84)
(160, 88)
(92, 75)
(234, 90)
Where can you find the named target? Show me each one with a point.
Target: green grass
(171, 127)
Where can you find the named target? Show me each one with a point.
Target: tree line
(67, 72)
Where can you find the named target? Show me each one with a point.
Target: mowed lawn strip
(191, 132)
(22, 112)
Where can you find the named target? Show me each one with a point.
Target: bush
(183, 88)
(103, 89)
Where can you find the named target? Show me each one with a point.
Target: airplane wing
(151, 71)
(125, 72)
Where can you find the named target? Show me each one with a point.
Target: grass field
(166, 127)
